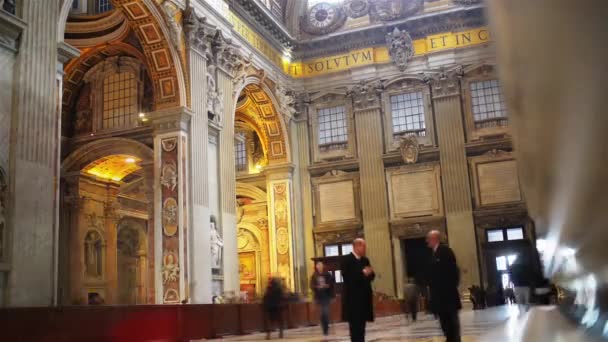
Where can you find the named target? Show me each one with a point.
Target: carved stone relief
(170, 267)
(400, 47)
(286, 102)
(168, 176)
(170, 216)
(175, 28)
(356, 8)
(366, 95)
(409, 148)
(446, 82)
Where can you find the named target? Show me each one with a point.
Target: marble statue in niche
(93, 254)
(217, 244)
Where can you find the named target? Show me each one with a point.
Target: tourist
(274, 303)
(357, 300)
(444, 278)
(322, 284)
(521, 278)
(412, 296)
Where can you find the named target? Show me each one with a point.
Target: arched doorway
(131, 261)
(106, 207)
(262, 160)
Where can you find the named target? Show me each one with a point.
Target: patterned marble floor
(397, 328)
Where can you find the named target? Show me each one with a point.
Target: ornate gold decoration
(170, 267)
(282, 240)
(114, 167)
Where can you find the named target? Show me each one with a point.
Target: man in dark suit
(357, 301)
(444, 278)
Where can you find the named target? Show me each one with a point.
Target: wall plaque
(498, 182)
(414, 193)
(337, 201)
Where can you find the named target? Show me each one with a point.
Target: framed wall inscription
(496, 180)
(337, 200)
(414, 191)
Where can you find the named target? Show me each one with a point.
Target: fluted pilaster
(33, 172)
(455, 177)
(374, 202)
(228, 181)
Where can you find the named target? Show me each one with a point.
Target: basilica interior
(181, 153)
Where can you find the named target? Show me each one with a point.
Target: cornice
(417, 26)
(11, 28)
(256, 15)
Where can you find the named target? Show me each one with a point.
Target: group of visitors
(357, 297)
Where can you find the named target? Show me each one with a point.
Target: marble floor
(397, 328)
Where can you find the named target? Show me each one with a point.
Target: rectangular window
(240, 155)
(347, 248)
(332, 126)
(495, 235)
(75, 4)
(488, 104)
(103, 6)
(408, 114)
(332, 250)
(119, 100)
(515, 234)
(501, 263)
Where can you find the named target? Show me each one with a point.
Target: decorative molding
(66, 52)
(356, 8)
(286, 103)
(417, 227)
(174, 119)
(388, 10)
(340, 236)
(400, 47)
(467, 2)
(11, 28)
(366, 96)
(199, 33)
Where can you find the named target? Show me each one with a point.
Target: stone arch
(164, 60)
(100, 148)
(260, 109)
(251, 191)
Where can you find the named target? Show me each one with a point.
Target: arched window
(119, 100)
(93, 259)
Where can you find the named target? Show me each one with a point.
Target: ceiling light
(141, 115)
(130, 160)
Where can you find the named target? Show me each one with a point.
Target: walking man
(357, 301)
(274, 303)
(444, 278)
(521, 278)
(322, 284)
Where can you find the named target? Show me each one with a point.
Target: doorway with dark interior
(417, 260)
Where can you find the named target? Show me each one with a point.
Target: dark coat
(444, 278)
(274, 298)
(521, 275)
(357, 299)
(322, 295)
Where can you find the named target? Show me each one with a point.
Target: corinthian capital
(366, 95)
(199, 33)
(445, 83)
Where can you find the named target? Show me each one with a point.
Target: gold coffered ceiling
(114, 167)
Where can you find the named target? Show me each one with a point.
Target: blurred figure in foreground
(322, 284)
(412, 296)
(274, 303)
(521, 278)
(357, 300)
(444, 277)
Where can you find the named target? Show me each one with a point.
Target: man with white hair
(444, 278)
(357, 300)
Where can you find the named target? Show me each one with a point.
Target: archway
(131, 261)
(106, 188)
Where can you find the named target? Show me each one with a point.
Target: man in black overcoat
(357, 300)
(444, 278)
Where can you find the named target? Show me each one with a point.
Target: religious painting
(247, 266)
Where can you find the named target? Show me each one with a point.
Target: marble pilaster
(455, 176)
(171, 200)
(33, 159)
(374, 204)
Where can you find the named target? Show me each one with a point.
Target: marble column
(171, 201)
(199, 36)
(279, 186)
(33, 159)
(227, 170)
(374, 198)
(455, 176)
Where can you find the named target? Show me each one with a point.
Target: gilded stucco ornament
(400, 47)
